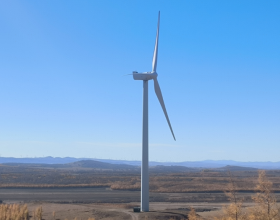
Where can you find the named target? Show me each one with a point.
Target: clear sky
(63, 93)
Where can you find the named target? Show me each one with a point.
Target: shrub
(14, 212)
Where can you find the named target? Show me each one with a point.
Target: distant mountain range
(190, 164)
(89, 165)
(82, 164)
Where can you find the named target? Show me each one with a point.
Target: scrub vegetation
(240, 187)
(160, 181)
(264, 207)
(21, 212)
(14, 212)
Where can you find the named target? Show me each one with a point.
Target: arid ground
(104, 203)
(83, 191)
(110, 211)
(124, 211)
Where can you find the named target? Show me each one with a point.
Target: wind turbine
(146, 76)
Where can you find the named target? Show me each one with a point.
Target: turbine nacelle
(144, 76)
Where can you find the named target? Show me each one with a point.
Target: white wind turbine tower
(146, 76)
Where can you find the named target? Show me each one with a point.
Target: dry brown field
(162, 181)
(110, 194)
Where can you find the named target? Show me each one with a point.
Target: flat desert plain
(81, 190)
(105, 204)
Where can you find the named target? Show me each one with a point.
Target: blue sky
(63, 93)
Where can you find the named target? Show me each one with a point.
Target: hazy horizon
(92, 158)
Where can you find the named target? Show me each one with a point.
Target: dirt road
(109, 211)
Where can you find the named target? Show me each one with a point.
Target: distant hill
(172, 169)
(89, 164)
(235, 168)
(41, 160)
(194, 164)
(100, 165)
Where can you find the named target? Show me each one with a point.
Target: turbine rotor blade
(156, 47)
(160, 98)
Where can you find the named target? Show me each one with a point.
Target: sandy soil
(158, 211)
(104, 195)
(124, 211)
(109, 211)
(105, 204)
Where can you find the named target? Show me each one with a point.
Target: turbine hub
(144, 76)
